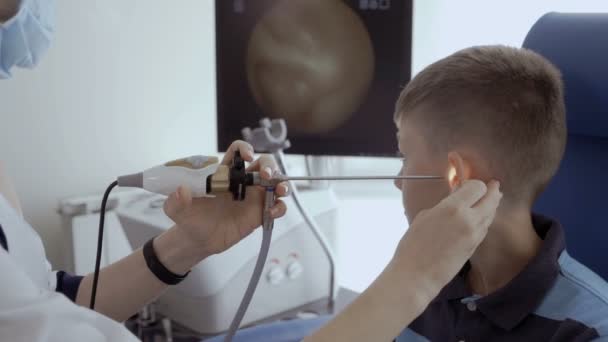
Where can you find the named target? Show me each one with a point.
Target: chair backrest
(578, 195)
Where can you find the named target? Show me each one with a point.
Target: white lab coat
(30, 309)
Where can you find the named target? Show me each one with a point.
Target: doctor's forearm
(127, 285)
(381, 312)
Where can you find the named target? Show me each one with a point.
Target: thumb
(178, 201)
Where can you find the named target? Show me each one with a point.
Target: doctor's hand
(212, 225)
(440, 240)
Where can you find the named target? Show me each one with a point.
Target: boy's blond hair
(507, 103)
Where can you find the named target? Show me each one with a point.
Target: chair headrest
(577, 44)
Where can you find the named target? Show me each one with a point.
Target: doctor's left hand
(216, 224)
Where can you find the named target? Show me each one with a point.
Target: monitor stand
(319, 166)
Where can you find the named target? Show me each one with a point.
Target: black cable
(102, 215)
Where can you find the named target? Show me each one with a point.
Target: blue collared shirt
(555, 298)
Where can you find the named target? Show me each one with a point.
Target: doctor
(37, 304)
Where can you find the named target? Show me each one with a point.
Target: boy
(495, 112)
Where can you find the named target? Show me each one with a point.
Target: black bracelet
(157, 268)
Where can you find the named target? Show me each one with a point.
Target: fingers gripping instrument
(203, 175)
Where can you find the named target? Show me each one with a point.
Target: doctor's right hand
(213, 225)
(440, 240)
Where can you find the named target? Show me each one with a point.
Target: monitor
(333, 69)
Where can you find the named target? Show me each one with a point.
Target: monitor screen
(333, 69)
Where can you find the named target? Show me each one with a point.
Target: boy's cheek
(423, 195)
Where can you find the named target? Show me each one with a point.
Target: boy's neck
(510, 244)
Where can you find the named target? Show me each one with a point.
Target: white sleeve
(29, 313)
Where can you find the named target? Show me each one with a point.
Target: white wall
(127, 83)
(442, 27)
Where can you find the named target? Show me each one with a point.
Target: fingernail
(268, 171)
(286, 188)
(273, 212)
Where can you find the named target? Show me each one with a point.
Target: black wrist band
(157, 268)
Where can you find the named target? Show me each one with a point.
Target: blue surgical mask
(25, 37)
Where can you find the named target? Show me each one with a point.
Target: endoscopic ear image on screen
(331, 68)
(310, 62)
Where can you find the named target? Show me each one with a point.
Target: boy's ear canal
(458, 170)
(452, 178)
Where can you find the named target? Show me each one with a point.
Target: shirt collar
(509, 305)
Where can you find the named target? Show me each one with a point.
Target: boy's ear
(459, 170)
